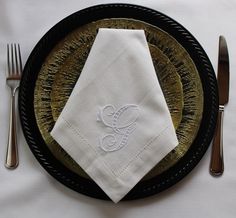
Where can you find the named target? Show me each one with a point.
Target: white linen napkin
(116, 124)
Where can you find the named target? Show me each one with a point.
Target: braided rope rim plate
(49, 40)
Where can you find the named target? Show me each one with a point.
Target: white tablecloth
(29, 191)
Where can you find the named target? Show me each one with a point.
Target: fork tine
(16, 60)
(20, 61)
(12, 61)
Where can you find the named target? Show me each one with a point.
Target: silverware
(14, 70)
(217, 160)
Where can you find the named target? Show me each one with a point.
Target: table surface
(29, 191)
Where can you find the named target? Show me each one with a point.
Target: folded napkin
(116, 124)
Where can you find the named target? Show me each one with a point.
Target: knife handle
(217, 160)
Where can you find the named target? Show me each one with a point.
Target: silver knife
(217, 160)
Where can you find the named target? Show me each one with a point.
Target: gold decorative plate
(176, 71)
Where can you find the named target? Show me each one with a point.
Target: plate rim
(210, 107)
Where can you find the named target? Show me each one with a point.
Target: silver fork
(14, 70)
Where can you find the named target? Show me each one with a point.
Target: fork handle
(12, 159)
(217, 159)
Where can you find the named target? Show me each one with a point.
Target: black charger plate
(52, 37)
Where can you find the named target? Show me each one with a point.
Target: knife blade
(223, 76)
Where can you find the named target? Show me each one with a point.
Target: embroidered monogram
(122, 123)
